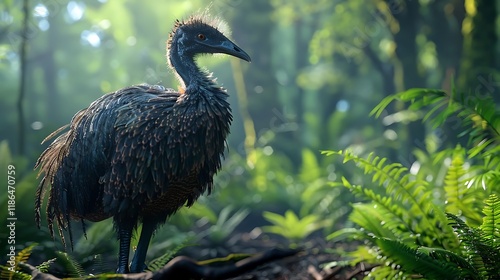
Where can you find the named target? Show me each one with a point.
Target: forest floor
(316, 259)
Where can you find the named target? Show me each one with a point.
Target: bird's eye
(201, 36)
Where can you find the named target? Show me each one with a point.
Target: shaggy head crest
(200, 20)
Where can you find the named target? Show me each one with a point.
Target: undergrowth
(440, 218)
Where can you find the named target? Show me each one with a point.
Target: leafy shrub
(416, 227)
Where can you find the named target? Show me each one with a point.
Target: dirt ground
(316, 260)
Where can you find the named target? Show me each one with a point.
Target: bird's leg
(138, 264)
(125, 234)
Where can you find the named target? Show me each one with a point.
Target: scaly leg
(138, 264)
(125, 234)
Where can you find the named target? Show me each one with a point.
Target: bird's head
(195, 36)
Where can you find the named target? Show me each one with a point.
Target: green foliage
(475, 112)
(401, 203)
(292, 227)
(71, 267)
(5, 273)
(44, 267)
(13, 270)
(224, 225)
(415, 262)
(479, 254)
(161, 261)
(459, 199)
(402, 216)
(491, 220)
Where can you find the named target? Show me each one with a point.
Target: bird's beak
(230, 48)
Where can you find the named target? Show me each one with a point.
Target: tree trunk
(477, 72)
(408, 16)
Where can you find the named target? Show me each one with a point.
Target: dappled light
(361, 142)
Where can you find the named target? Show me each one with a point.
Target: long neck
(184, 66)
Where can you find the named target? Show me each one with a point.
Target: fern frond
(6, 273)
(470, 241)
(71, 267)
(414, 262)
(364, 254)
(162, 260)
(467, 271)
(460, 200)
(44, 267)
(374, 221)
(454, 185)
(474, 112)
(386, 272)
(491, 221)
(24, 254)
(485, 176)
(408, 199)
(13, 272)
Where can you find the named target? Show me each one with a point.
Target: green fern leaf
(491, 220)
(477, 114)
(162, 260)
(407, 199)
(373, 220)
(24, 254)
(470, 241)
(460, 200)
(71, 267)
(386, 272)
(467, 271)
(6, 273)
(44, 267)
(13, 272)
(414, 262)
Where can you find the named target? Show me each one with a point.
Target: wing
(75, 162)
(164, 146)
(138, 156)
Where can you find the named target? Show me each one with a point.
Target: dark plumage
(142, 152)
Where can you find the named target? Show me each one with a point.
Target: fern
(473, 246)
(467, 271)
(6, 273)
(485, 174)
(162, 260)
(460, 200)
(386, 272)
(405, 202)
(415, 262)
(44, 267)
(403, 220)
(477, 114)
(374, 221)
(71, 267)
(490, 234)
(13, 270)
(491, 220)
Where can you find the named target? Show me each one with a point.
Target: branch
(186, 268)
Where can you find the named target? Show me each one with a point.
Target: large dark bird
(142, 152)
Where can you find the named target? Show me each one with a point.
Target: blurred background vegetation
(318, 68)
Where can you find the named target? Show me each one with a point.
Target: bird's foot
(122, 269)
(136, 268)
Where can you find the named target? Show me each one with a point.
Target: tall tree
(477, 72)
(408, 16)
(22, 80)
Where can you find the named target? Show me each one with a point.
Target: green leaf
(291, 226)
(414, 262)
(491, 221)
